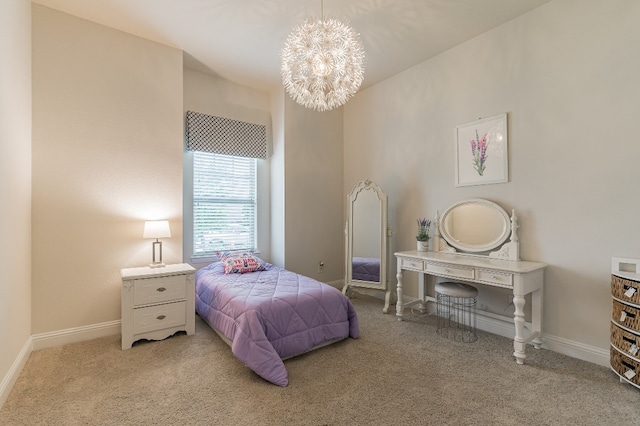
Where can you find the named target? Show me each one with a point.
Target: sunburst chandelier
(322, 63)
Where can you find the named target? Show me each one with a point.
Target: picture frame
(482, 151)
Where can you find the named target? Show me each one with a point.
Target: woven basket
(619, 286)
(624, 341)
(622, 364)
(626, 315)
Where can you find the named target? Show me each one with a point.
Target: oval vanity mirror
(475, 225)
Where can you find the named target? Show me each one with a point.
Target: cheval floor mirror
(367, 240)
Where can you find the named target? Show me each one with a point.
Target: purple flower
(423, 229)
(479, 153)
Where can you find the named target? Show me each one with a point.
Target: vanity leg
(519, 342)
(536, 316)
(422, 292)
(399, 307)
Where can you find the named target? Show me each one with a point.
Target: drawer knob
(161, 317)
(495, 277)
(161, 289)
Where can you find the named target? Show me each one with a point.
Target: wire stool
(456, 309)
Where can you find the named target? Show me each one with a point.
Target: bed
(366, 269)
(268, 314)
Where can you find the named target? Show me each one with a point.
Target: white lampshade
(156, 229)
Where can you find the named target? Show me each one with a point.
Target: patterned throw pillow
(240, 262)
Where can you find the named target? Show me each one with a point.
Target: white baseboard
(553, 343)
(12, 375)
(79, 334)
(577, 350)
(74, 335)
(557, 344)
(337, 284)
(49, 340)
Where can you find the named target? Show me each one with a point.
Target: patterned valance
(218, 135)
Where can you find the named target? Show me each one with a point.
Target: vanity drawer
(158, 317)
(159, 289)
(413, 264)
(495, 278)
(451, 271)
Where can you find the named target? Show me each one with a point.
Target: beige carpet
(397, 373)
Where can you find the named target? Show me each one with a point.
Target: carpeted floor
(397, 373)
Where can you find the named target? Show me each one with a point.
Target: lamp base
(156, 249)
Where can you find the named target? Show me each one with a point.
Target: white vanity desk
(501, 268)
(520, 276)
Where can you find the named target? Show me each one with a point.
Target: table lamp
(156, 229)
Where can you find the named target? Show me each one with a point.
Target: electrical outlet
(320, 267)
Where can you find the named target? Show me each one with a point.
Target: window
(224, 203)
(226, 187)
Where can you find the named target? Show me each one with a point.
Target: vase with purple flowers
(422, 237)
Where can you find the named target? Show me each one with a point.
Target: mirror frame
(383, 283)
(445, 242)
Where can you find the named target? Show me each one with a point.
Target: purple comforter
(273, 314)
(366, 269)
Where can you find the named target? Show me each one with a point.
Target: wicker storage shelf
(627, 368)
(625, 320)
(627, 316)
(625, 341)
(626, 290)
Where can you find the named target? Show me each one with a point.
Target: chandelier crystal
(322, 64)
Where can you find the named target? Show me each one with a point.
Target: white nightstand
(157, 302)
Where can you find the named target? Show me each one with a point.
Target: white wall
(15, 190)
(277, 179)
(567, 74)
(313, 200)
(107, 154)
(307, 219)
(219, 97)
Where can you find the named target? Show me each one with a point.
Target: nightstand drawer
(160, 289)
(451, 271)
(496, 278)
(415, 265)
(158, 317)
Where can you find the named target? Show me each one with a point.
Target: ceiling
(241, 40)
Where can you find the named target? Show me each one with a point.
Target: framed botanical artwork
(481, 151)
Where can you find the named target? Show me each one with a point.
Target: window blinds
(207, 133)
(224, 203)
